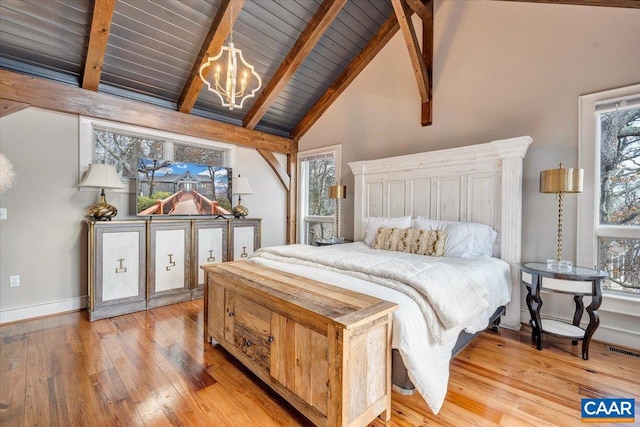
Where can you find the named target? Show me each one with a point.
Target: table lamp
(560, 181)
(337, 192)
(102, 176)
(241, 187)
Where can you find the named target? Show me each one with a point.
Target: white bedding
(426, 352)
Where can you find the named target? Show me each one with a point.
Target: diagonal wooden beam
(629, 4)
(275, 165)
(411, 40)
(423, 10)
(98, 37)
(427, 56)
(375, 45)
(220, 28)
(9, 107)
(323, 17)
(50, 95)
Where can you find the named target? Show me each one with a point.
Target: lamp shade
(101, 176)
(338, 192)
(241, 186)
(561, 180)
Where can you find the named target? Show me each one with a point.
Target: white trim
(586, 221)
(302, 198)
(43, 309)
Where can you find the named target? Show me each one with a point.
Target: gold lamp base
(240, 211)
(102, 211)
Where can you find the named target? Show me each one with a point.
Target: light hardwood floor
(153, 369)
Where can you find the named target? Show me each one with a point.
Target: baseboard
(44, 309)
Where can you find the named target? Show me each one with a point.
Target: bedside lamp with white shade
(102, 176)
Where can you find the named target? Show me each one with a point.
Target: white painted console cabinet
(140, 264)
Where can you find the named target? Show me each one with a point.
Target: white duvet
(437, 298)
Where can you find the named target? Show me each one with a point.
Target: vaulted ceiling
(151, 50)
(306, 51)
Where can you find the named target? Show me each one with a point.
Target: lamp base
(102, 211)
(559, 265)
(240, 211)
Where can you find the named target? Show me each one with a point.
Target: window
(122, 145)
(609, 208)
(318, 171)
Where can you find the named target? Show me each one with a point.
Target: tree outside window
(619, 201)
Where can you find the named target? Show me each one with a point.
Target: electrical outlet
(3, 213)
(14, 281)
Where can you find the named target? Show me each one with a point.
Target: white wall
(501, 69)
(43, 240)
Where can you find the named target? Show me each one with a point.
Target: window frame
(303, 189)
(588, 222)
(85, 138)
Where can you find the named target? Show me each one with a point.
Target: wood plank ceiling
(306, 51)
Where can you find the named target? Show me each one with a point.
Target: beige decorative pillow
(427, 242)
(421, 242)
(391, 239)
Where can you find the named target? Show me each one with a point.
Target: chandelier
(232, 76)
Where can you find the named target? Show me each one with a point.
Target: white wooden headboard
(477, 183)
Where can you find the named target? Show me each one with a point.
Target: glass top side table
(577, 281)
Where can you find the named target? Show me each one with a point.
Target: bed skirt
(400, 378)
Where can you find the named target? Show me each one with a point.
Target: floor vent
(623, 351)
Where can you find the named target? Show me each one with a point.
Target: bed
(479, 184)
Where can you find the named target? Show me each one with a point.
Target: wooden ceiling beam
(411, 40)
(629, 4)
(50, 95)
(423, 10)
(427, 56)
(9, 107)
(98, 37)
(375, 45)
(220, 29)
(323, 17)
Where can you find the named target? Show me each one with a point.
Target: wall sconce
(560, 181)
(337, 192)
(102, 176)
(241, 187)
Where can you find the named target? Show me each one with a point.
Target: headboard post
(476, 183)
(512, 152)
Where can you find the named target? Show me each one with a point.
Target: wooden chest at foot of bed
(325, 349)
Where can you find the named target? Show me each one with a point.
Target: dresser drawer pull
(231, 314)
(270, 339)
(172, 263)
(121, 268)
(248, 343)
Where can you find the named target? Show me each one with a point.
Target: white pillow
(464, 239)
(372, 223)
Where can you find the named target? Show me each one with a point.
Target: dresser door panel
(211, 245)
(169, 259)
(117, 269)
(169, 263)
(120, 262)
(245, 238)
